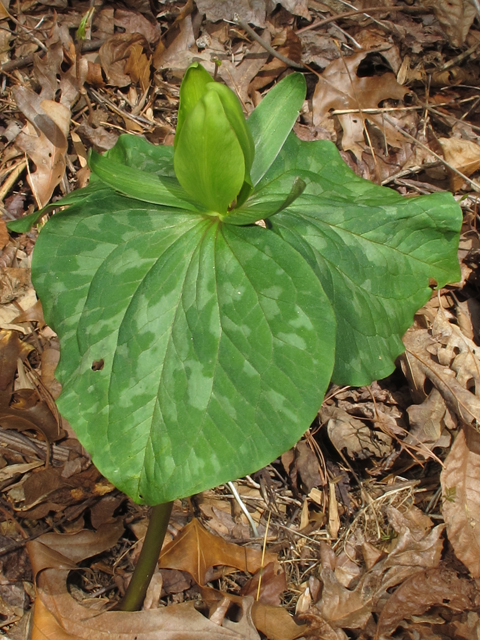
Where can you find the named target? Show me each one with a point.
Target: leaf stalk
(147, 561)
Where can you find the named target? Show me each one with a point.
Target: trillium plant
(206, 294)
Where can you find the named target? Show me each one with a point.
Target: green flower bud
(214, 148)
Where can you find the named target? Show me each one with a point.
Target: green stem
(147, 561)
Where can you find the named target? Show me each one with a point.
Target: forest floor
(369, 527)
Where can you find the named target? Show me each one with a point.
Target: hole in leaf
(97, 365)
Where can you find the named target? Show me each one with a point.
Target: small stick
(90, 45)
(349, 14)
(243, 508)
(246, 27)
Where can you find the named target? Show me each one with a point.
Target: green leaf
(193, 352)
(23, 225)
(373, 250)
(193, 87)
(134, 151)
(209, 161)
(234, 113)
(140, 185)
(272, 120)
(261, 206)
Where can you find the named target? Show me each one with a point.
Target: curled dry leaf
(339, 87)
(463, 155)
(273, 584)
(437, 586)
(44, 140)
(115, 53)
(429, 423)
(59, 616)
(461, 498)
(195, 551)
(421, 361)
(354, 436)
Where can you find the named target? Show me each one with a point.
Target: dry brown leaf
(4, 237)
(297, 8)
(455, 16)
(11, 348)
(58, 616)
(114, 54)
(417, 543)
(339, 87)
(425, 589)
(428, 422)
(195, 551)
(49, 359)
(461, 498)
(276, 623)
(138, 66)
(273, 584)
(47, 68)
(360, 442)
(181, 50)
(239, 77)
(345, 608)
(44, 140)
(419, 364)
(291, 48)
(134, 22)
(251, 12)
(463, 155)
(14, 282)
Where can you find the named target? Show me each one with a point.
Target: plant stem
(147, 561)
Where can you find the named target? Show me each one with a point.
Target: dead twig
(246, 27)
(24, 61)
(349, 14)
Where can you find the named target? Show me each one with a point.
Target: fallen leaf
(438, 586)
(14, 282)
(460, 480)
(251, 12)
(463, 155)
(134, 22)
(49, 359)
(138, 66)
(455, 16)
(272, 584)
(297, 8)
(4, 237)
(195, 551)
(428, 422)
(44, 140)
(11, 348)
(339, 87)
(354, 436)
(58, 616)
(344, 608)
(115, 53)
(419, 364)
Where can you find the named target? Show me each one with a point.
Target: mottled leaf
(373, 250)
(192, 352)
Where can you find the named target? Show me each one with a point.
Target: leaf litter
(370, 525)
